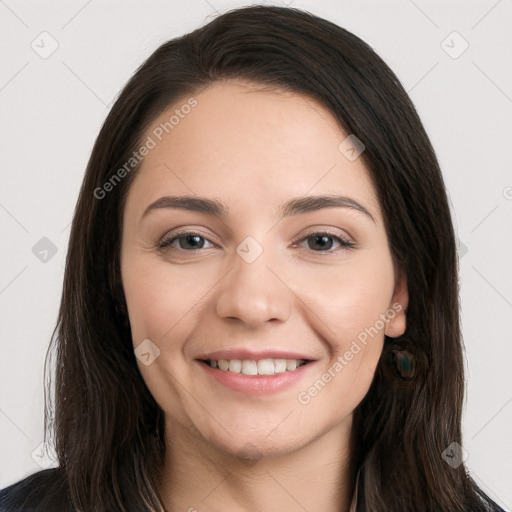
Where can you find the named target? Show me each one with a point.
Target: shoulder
(44, 491)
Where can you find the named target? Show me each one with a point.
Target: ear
(398, 304)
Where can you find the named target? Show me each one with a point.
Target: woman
(260, 305)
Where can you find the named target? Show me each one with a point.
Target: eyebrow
(295, 206)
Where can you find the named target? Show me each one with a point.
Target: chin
(256, 445)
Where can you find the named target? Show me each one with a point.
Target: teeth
(260, 367)
(249, 367)
(235, 366)
(223, 364)
(291, 364)
(279, 365)
(266, 367)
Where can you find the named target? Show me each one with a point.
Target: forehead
(243, 141)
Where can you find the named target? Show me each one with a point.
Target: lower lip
(257, 384)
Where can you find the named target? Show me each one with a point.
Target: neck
(199, 477)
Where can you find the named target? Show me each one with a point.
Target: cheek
(163, 302)
(162, 307)
(350, 298)
(351, 306)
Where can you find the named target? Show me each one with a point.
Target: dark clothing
(44, 491)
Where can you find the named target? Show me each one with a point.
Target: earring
(403, 362)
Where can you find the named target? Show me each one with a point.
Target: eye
(323, 241)
(188, 241)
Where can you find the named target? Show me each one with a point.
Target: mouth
(267, 366)
(264, 376)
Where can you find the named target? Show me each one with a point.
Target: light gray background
(52, 110)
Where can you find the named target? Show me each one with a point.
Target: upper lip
(244, 353)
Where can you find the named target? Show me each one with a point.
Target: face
(258, 286)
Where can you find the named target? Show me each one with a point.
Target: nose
(254, 293)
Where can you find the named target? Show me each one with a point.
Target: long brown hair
(109, 431)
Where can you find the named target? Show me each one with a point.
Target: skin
(255, 148)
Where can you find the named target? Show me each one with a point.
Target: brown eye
(188, 241)
(324, 241)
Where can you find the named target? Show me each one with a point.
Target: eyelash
(345, 244)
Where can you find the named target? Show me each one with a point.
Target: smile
(256, 367)
(256, 377)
